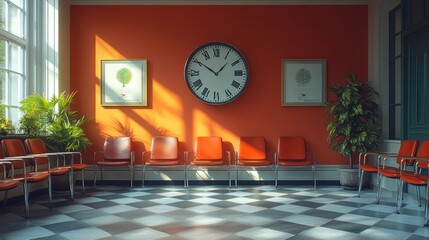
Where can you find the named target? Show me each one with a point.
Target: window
(12, 55)
(395, 72)
(28, 51)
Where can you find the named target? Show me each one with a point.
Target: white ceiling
(219, 2)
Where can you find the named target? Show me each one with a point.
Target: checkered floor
(215, 212)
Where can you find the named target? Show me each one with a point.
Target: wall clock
(216, 73)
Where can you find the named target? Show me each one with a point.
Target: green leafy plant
(6, 126)
(353, 118)
(30, 125)
(61, 127)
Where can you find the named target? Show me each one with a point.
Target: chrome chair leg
(360, 175)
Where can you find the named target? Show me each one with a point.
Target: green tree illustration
(303, 76)
(124, 76)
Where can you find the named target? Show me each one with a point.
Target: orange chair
(117, 151)
(164, 152)
(416, 177)
(78, 165)
(366, 165)
(407, 150)
(252, 153)
(37, 146)
(292, 152)
(7, 183)
(208, 152)
(15, 152)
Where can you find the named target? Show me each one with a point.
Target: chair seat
(369, 168)
(248, 162)
(207, 163)
(78, 166)
(163, 162)
(33, 176)
(56, 171)
(294, 163)
(8, 184)
(416, 179)
(390, 172)
(113, 163)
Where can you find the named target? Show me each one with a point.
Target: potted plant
(53, 120)
(352, 123)
(6, 126)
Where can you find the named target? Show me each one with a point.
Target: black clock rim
(209, 44)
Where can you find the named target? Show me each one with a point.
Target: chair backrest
(35, 145)
(291, 148)
(423, 152)
(13, 148)
(165, 148)
(117, 148)
(252, 148)
(408, 148)
(208, 148)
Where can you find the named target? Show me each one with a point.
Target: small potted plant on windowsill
(6, 125)
(353, 124)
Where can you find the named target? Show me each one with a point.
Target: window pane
(19, 3)
(15, 24)
(398, 19)
(2, 15)
(14, 115)
(2, 85)
(15, 58)
(398, 122)
(398, 80)
(2, 53)
(15, 89)
(398, 46)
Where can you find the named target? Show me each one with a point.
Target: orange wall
(166, 35)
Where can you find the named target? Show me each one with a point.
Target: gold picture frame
(124, 82)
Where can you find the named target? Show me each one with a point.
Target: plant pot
(61, 183)
(349, 178)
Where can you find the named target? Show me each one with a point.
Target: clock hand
(220, 69)
(202, 64)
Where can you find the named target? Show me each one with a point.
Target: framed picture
(303, 82)
(123, 82)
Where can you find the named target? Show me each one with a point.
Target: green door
(416, 86)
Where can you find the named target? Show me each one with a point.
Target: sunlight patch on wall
(169, 115)
(104, 51)
(203, 125)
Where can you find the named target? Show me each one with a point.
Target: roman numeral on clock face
(197, 84)
(235, 84)
(194, 73)
(205, 92)
(216, 52)
(206, 55)
(228, 93)
(216, 96)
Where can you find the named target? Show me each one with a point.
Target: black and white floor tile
(215, 212)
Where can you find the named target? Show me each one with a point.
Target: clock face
(216, 73)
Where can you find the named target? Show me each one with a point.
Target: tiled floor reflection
(215, 212)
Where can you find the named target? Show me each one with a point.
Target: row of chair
(208, 152)
(409, 162)
(29, 163)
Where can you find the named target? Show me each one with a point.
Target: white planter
(349, 178)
